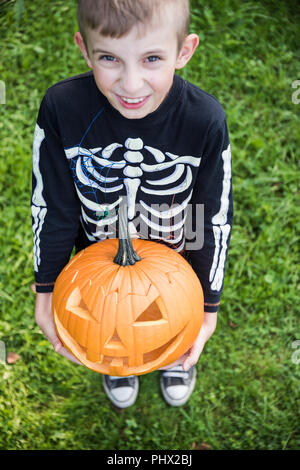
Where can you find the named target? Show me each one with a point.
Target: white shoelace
(177, 372)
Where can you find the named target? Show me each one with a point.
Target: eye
(107, 58)
(153, 58)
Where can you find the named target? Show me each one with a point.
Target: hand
(207, 329)
(191, 357)
(44, 319)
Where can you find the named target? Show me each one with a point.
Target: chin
(134, 116)
(132, 113)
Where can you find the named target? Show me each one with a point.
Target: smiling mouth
(132, 102)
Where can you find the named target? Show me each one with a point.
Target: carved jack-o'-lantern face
(127, 320)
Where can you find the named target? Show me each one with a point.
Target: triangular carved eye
(152, 313)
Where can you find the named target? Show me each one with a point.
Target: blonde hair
(115, 18)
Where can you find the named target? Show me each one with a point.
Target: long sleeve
(54, 204)
(213, 189)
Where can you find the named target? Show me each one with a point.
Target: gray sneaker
(177, 385)
(122, 391)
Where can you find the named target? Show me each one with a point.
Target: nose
(132, 82)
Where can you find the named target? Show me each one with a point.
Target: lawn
(247, 393)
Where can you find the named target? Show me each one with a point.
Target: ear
(80, 43)
(187, 50)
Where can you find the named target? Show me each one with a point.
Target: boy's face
(136, 72)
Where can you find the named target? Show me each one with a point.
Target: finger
(70, 356)
(51, 335)
(64, 352)
(193, 356)
(56, 343)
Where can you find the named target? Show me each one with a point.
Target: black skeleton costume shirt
(173, 168)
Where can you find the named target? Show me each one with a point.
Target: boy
(131, 127)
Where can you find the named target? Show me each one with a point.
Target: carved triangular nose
(114, 345)
(114, 340)
(115, 337)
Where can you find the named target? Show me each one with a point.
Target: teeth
(129, 100)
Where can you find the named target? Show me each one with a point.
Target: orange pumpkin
(128, 314)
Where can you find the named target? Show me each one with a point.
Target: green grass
(247, 394)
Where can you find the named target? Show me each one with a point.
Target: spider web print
(93, 169)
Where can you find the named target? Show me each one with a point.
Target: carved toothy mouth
(157, 357)
(147, 357)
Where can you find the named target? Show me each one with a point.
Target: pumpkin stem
(126, 255)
